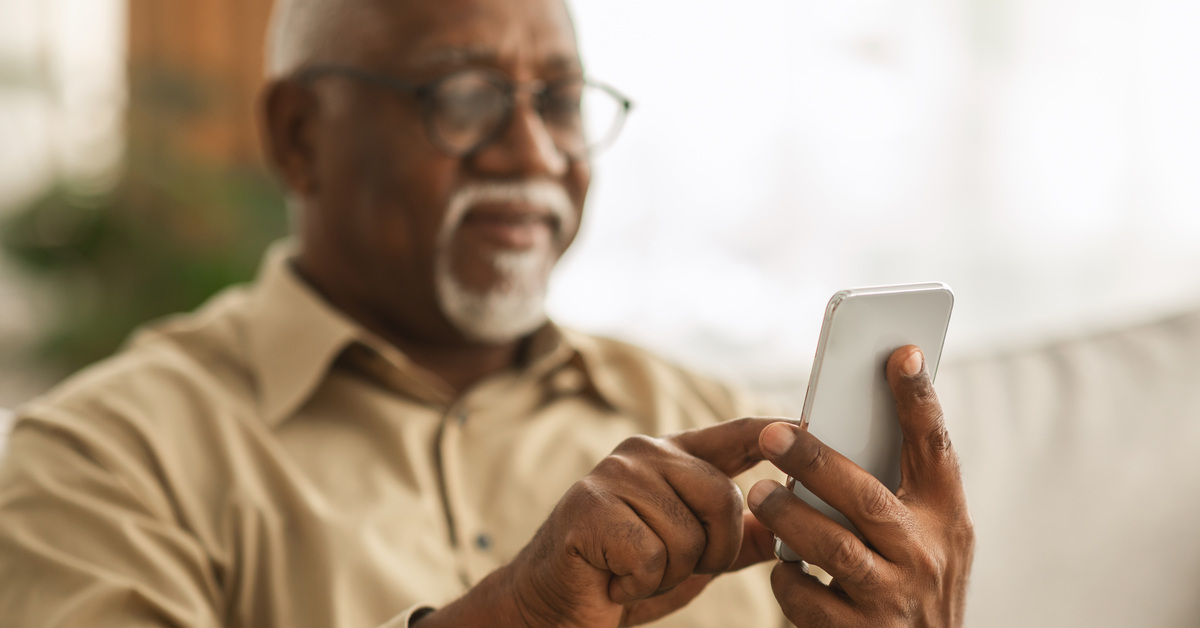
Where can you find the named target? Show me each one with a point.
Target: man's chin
(501, 335)
(497, 298)
(495, 317)
(488, 273)
(496, 330)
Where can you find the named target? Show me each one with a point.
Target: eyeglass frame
(424, 94)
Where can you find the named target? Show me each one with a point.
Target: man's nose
(525, 148)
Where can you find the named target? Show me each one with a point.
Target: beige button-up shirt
(266, 462)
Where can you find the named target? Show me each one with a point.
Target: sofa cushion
(1082, 465)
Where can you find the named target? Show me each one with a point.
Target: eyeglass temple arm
(314, 72)
(626, 102)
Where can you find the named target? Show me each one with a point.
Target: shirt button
(568, 381)
(483, 542)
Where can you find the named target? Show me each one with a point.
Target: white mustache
(539, 193)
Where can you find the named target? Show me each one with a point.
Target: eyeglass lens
(469, 109)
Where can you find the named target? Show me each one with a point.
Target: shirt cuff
(408, 617)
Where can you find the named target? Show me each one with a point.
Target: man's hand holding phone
(645, 532)
(911, 566)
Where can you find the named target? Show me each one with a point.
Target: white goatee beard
(515, 306)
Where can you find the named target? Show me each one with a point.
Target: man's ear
(289, 123)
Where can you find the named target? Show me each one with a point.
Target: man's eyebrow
(564, 63)
(463, 55)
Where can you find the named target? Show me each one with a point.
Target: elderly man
(385, 430)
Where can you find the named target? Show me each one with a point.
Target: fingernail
(759, 492)
(777, 439)
(912, 365)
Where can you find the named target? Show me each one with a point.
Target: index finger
(732, 446)
(928, 453)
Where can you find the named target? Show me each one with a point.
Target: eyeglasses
(465, 110)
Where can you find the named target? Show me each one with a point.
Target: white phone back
(849, 405)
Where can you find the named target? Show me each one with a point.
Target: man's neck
(460, 366)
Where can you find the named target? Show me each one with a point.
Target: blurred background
(1041, 156)
(1038, 155)
(130, 180)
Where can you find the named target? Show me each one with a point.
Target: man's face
(438, 248)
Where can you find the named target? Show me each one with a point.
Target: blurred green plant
(164, 239)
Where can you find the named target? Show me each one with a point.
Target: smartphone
(849, 405)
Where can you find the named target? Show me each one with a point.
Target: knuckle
(634, 552)
(587, 494)
(586, 507)
(923, 399)
(927, 565)
(731, 503)
(923, 391)
(697, 468)
(752, 424)
(850, 558)
(842, 552)
(639, 444)
(654, 558)
(691, 553)
(747, 448)
(675, 510)
(878, 503)
(939, 439)
(816, 458)
(616, 465)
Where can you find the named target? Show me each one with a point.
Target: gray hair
(303, 31)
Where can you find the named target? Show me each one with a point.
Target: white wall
(1041, 156)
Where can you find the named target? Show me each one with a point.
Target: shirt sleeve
(79, 546)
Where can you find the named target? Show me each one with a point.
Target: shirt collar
(295, 336)
(612, 375)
